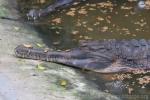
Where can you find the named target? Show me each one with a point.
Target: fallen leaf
(71, 13)
(92, 9)
(104, 29)
(90, 29)
(56, 43)
(130, 90)
(75, 32)
(27, 45)
(73, 9)
(39, 45)
(57, 20)
(63, 82)
(40, 67)
(100, 18)
(82, 11)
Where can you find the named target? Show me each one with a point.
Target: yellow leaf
(63, 82)
(40, 67)
(39, 45)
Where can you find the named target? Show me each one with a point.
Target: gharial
(103, 56)
(35, 13)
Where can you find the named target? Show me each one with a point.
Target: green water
(95, 20)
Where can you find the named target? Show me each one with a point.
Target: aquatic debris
(73, 9)
(132, 0)
(27, 45)
(130, 90)
(144, 80)
(82, 11)
(56, 43)
(121, 76)
(90, 29)
(126, 8)
(147, 3)
(105, 4)
(100, 18)
(57, 20)
(75, 32)
(78, 24)
(71, 13)
(87, 38)
(92, 9)
(104, 29)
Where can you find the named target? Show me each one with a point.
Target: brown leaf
(57, 20)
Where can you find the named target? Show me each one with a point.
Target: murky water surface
(95, 20)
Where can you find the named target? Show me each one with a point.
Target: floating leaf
(56, 43)
(71, 13)
(75, 32)
(92, 9)
(57, 20)
(130, 90)
(100, 18)
(82, 11)
(90, 29)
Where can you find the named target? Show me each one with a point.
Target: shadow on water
(95, 20)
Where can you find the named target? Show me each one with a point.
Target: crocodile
(102, 56)
(35, 13)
